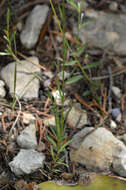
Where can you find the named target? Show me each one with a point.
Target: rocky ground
(97, 119)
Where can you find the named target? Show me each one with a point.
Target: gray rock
(77, 117)
(33, 25)
(28, 118)
(117, 92)
(105, 31)
(119, 163)
(24, 77)
(26, 162)
(98, 150)
(27, 138)
(49, 121)
(2, 89)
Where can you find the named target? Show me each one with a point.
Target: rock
(30, 34)
(49, 121)
(117, 92)
(58, 98)
(66, 75)
(27, 138)
(98, 150)
(116, 114)
(119, 163)
(113, 124)
(104, 31)
(77, 117)
(113, 6)
(26, 162)
(48, 74)
(123, 138)
(27, 118)
(24, 77)
(2, 89)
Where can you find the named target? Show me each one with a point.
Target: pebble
(117, 92)
(30, 34)
(27, 139)
(26, 162)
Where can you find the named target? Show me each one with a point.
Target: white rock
(2, 89)
(113, 6)
(117, 92)
(57, 96)
(48, 74)
(24, 77)
(26, 162)
(66, 75)
(119, 164)
(98, 150)
(27, 118)
(113, 124)
(49, 121)
(33, 25)
(77, 117)
(27, 138)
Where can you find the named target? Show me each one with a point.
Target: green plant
(58, 141)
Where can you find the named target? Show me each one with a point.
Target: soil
(47, 48)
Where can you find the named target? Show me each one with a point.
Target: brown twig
(82, 101)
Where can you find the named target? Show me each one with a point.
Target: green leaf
(52, 141)
(62, 148)
(86, 93)
(96, 84)
(79, 51)
(70, 63)
(92, 65)
(74, 79)
(98, 182)
(52, 153)
(74, 4)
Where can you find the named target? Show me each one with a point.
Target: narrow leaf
(74, 79)
(70, 63)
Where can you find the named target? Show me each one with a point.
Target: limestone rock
(26, 162)
(26, 87)
(77, 117)
(98, 150)
(33, 25)
(27, 138)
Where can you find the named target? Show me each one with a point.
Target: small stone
(113, 6)
(27, 118)
(116, 114)
(29, 36)
(113, 124)
(48, 74)
(50, 121)
(77, 117)
(66, 75)
(19, 26)
(27, 138)
(117, 92)
(26, 162)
